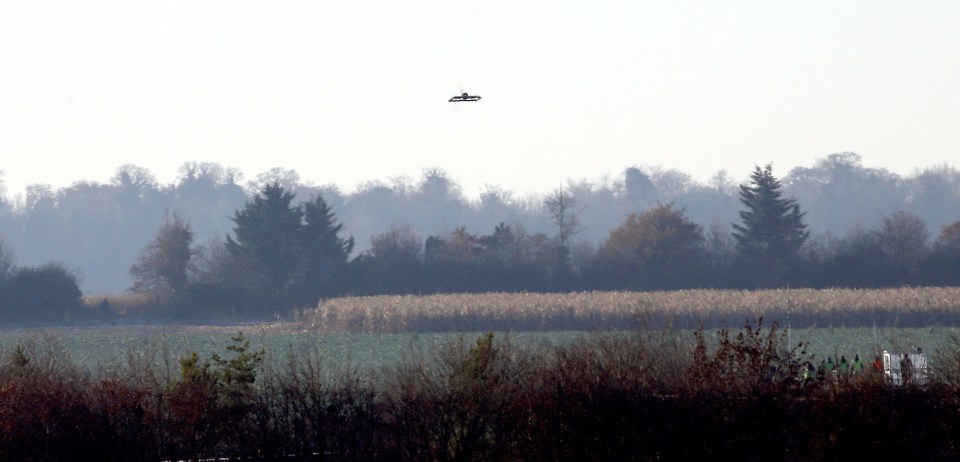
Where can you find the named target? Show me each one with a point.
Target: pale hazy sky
(345, 92)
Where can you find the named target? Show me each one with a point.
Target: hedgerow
(645, 395)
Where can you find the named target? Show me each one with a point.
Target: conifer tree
(290, 255)
(772, 231)
(267, 242)
(323, 253)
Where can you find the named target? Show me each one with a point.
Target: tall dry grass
(124, 304)
(904, 307)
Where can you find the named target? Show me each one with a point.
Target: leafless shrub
(464, 405)
(945, 367)
(753, 361)
(308, 407)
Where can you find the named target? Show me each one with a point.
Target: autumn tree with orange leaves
(658, 249)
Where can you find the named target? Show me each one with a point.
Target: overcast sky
(346, 92)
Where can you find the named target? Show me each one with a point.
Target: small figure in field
(809, 372)
(106, 311)
(844, 366)
(906, 368)
(770, 375)
(876, 372)
(921, 366)
(857, 366)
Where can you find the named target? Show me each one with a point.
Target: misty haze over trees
(648, 228)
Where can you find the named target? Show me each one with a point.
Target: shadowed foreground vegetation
(638, 396)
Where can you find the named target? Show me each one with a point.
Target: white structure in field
(892, 366)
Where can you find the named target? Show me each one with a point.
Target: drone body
(463, 97)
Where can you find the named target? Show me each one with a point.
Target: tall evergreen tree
(323, 253)
(267, 243)
(289, 256)
(772, 232)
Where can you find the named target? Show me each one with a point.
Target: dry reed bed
(903, 307)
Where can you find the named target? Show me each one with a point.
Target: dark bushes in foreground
(607, 397)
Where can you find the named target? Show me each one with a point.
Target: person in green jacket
(857, 366)
(844, 366)
(808, 373)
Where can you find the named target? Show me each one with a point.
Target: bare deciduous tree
(165, 263)
(398, 244)
(564, 214)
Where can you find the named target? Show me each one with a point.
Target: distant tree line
(210, 243)
(282, 256)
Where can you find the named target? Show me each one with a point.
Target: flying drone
(463, 96)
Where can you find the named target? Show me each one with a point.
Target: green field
(98, 349)
(101, 349)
